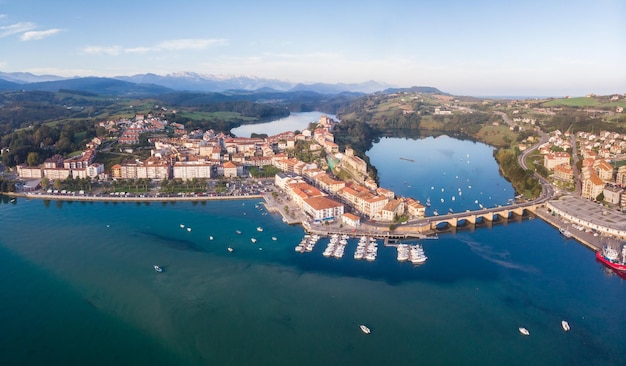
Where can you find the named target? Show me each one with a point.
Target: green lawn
(585, 102)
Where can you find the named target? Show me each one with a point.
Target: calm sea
(78, 285)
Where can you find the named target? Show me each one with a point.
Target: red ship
(611, 258)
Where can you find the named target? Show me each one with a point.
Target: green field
(214, 116)
(497, 135)
(596, 102)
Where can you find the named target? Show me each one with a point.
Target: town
(325, 185)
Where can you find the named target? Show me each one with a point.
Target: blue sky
(468, 47)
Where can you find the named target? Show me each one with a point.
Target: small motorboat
(259, 229)
(230, 249)
(211, 237)
(365, 329)
(565, 325)
(158, 269)
(274, 238)
(524, 331)
(238, 232)
(253, 240)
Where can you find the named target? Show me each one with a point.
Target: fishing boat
(157, 268)
(524, 331)
(612, 258)
(565, 325)
(365, 329)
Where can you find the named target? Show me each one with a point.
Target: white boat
(253, 240)
(157, 268)
(565, 325)
(259, 229)
(566, 233)
(182, 226)
(211, 237)
(274, 238)
(238, 232)
(365, 329)
(524, 331)
(188, 229)
(230, 249)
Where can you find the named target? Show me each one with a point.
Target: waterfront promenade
(599, 222)
(136, 198)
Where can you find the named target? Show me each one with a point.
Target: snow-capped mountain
(191, 81)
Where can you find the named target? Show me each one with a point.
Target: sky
(463, 47)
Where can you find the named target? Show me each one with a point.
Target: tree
(57, 184)
(45, 182)
(32, 159)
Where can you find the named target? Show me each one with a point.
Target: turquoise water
(78, 287)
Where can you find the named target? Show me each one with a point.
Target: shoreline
(131, 199)
(273, 206)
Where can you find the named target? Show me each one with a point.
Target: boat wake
(502, 258)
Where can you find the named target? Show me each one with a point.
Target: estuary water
(293, 122)
(78, 285)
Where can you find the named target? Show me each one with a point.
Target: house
(231, 169)
(604, 170)
(351, 219)
(552, 160)
(322, 208)
(592, 186)
(612, 194)
(564, 173)
(415, 208)
(392, 210)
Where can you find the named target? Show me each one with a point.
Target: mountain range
(150, 84)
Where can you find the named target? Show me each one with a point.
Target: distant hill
(27, 77)
(190, 81)
(414, 89)
(152, 84)
(324, 88)
(103, 86)
(8, 85)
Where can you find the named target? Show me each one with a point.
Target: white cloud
(99, 50)
(2, 16)
(8, 30)
(189, 44)
(138, 50)
(171, 45)
(37, 35)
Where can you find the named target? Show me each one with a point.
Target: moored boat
(230, 249)
(566, 233)
(565, 325)
(611, 258)
(524, 331)
(365, 329)
(157, 268)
